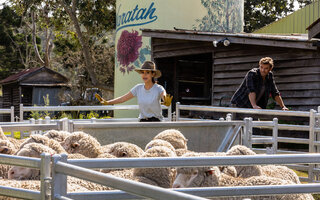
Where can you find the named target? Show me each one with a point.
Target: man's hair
(267, 60)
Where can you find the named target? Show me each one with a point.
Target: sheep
(181, 152)
(275, 171)
(59, 136)
(29, 150)
(245, 171)
(35, 186)
(230, 170)
(14, 141)
(212, 177)
(124, 150)
(158, 142)
(6, 147)
(53, 144)
(82, 143)
(162, 177)
(174, 137)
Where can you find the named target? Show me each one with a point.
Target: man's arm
(279, 100)
(252, 98)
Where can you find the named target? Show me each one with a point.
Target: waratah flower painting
(128, 47)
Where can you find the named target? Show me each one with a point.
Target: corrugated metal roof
(289, 37)
(18, 76)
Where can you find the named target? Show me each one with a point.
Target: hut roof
(27, 73)
(299, 41)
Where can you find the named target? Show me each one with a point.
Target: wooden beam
(234, 39)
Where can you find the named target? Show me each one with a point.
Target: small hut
(30, 86)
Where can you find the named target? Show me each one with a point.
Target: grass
(305, 174)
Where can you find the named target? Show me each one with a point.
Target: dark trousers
(151, 119)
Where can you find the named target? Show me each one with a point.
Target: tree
(97, 18)
(16, 48)
(259, 13)
(89, 20)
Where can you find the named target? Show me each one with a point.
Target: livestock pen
(231, 132)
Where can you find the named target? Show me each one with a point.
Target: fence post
(64, 124)
(47, 120)
(311, 142)
(247, 132)
(45, 172)
(12, 113)
(275, 135)
(229, 117)
(59, 181)
(21, 112)
(31, 121)
(177, 111)
(93, 120)
(170, 113)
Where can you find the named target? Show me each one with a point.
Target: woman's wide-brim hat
(149, 66)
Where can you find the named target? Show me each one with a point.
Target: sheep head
(125, 150)
(29, 150)
(197, 177)
(82, 143)
(6, 147)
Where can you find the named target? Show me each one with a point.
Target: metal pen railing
(61, 169)
(85, 108)
(43, 164)
(68, 168)
(8, 111)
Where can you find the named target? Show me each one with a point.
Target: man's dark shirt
(253, 83)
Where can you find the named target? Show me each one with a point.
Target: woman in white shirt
(148, 93)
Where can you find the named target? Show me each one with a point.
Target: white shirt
(148, 100)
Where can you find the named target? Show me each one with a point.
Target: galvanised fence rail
(85, 108)
(8, 111)
(42, 164)
(61, 167)
(248, 139)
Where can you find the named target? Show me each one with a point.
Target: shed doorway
(187, 78)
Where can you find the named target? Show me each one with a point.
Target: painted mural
(132, 49)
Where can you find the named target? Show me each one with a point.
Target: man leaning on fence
(256, 88)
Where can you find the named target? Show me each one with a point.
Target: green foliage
(259, 13)
(41, 114)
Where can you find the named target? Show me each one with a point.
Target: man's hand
(167, 100)
(256, 107)
(102, 101)
(285, 108)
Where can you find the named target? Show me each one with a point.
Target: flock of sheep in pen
(169, 143)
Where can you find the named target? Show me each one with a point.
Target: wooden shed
(206, 68)
(29, 86)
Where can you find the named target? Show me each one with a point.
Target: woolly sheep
(14, 141)
(29, 150)
(41, 139)
(212, 177)
(275, 171)
(82, 143)
(125, 150)
(59, 136)
(174, 137)
(158, 142)
(162, 177)
(6, 147)
(230, 170)
(245, 171)
(35, 186)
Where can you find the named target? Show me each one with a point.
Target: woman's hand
(167, 100)
(102, 101)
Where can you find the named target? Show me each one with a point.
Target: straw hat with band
(149, 66)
